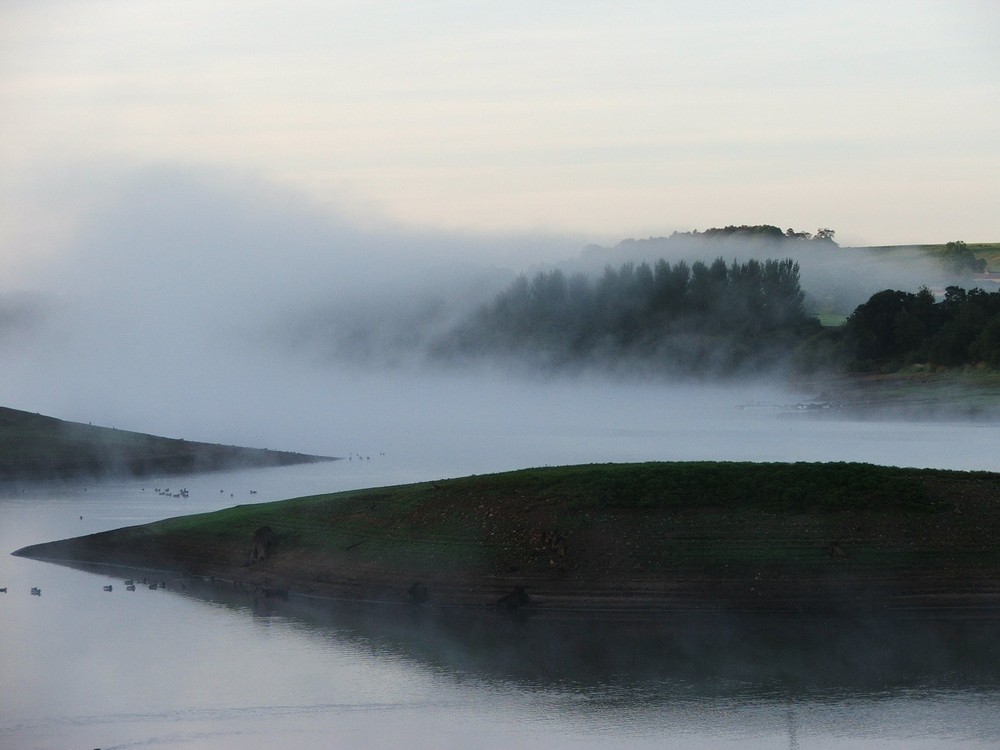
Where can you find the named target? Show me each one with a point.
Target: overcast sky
(604, 120)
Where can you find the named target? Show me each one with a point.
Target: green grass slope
(674, 535)
(33, 446)
(988, 251)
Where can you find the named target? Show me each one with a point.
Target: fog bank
(214, 308)
(189, 296)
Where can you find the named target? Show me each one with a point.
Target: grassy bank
(988, 251)
(665, 535)
(33, 446)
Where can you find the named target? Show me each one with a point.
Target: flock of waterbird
(130, 585)
(181, 493)
(167, 493)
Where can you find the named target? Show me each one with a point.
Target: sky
(587, 119)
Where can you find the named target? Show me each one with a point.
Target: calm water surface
(207, 667)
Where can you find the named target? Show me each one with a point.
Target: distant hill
(33, 446)
(988, 252)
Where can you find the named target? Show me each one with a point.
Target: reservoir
(197, 664)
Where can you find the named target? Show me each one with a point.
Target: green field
(988, 251)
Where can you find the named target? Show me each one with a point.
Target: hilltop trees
(960, 260)
(762, 233)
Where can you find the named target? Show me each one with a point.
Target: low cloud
(212, 306)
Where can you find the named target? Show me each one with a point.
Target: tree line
(700, 318)
(894, 329)
(718, 319)
(763, 233)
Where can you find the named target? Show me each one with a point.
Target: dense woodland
(703, 318)
(894, 329)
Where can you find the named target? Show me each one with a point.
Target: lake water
(208, 667)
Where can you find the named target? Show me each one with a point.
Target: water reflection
(742, 656)
(202, 664)
(747, 679)
(646, 666)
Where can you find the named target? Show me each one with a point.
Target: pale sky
(605, 120)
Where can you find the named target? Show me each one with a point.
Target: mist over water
(199, 306)
(186, 299)
(159, 273)
(214, 307)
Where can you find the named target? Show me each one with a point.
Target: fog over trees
(834, 278)
(719, 319)
(182, 284)
(701, 318)
(748, 309)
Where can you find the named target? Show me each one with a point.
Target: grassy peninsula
(33, 446)
(805, 536)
